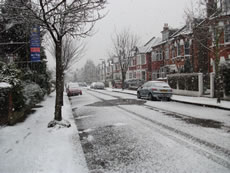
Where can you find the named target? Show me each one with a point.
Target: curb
(185, 102)
(202, 104)
(82, 159)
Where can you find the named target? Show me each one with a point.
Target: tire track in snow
(200, 146)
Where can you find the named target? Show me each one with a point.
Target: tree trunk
(217, 63)
(59, 81)
(123, 80)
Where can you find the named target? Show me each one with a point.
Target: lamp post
(104, 67)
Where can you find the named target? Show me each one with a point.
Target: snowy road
(122, 134)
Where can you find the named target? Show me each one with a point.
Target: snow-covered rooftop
(185, 30)
(151, 43)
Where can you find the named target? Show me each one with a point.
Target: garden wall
(189, 84)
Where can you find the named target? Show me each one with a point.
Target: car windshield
(99, 83)
(160, 84)
(74, 86)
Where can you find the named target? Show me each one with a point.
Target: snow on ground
(190, 123)
(187, 109)
(201, 100)
(118, 141)
(5, 85)
(30, 146)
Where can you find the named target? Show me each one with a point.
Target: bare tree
(89, 72)
(72, 51)
(208, 21)
(61, 18)
(124, 44)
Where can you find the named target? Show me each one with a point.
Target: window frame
(153, 55)
(143, 59)
(139, 59)
(178, 49)
(167, 53)
(186, 48)
(227, 32)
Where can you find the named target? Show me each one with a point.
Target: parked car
(117, 84)
(155, 90)
(133, 84)
(73, 89)
(99, 85)
(82, 84)
(92, 85)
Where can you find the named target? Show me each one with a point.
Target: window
(153, 56)
(130, 75)
(134, 75)
(143, 75)
(158, 55)
(139, 60)
(167, 53)
(143, 59)
(227, 33)
(155, 75)
(131, 62)
(173, 51)
(178, 49)
(186, 48)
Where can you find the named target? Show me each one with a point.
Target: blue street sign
(35, 44)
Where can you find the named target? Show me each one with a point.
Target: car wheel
(168, 99)
(150, 96)
(138, 95)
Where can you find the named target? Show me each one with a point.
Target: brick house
(140, 64)
(160, 54)
(220, 23)
(178, 51)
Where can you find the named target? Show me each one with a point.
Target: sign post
(35, 44)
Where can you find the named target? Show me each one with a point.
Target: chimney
(211, 6)
(166, 27)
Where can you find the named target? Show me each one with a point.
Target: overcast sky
(143, 17)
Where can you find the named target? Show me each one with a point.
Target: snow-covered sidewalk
(211, 102)
(32, 147)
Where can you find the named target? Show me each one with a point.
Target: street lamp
(104, 62)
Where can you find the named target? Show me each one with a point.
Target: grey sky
(143, 17)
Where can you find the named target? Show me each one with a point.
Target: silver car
(155, 90)
(97, 85)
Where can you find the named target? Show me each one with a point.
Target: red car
(73, 89)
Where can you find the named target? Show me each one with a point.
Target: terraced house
(200, 48)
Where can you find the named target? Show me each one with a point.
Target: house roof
(185, 30)
(148, 46)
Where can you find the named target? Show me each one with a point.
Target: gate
(206, 85)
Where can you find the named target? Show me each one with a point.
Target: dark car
(73, 89)
(133, 84)
(155, 90)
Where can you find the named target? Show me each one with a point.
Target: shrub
(32, 93)
(11, 75)
(185, 82)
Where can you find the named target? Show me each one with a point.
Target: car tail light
(154, 89)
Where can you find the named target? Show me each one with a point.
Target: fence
(190, 84)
